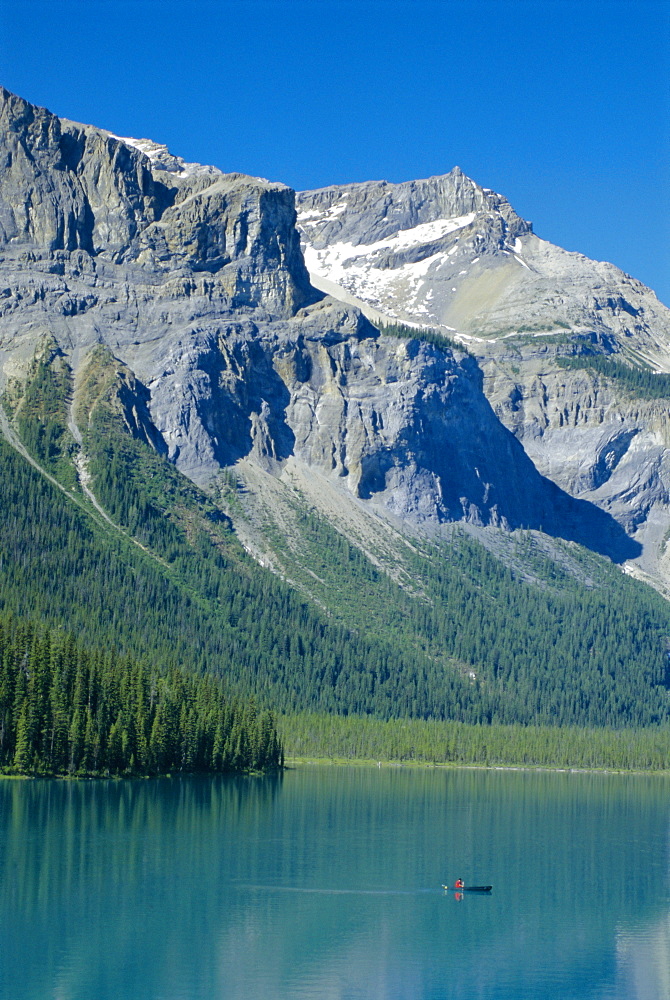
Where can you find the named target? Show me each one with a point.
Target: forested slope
(310, 736)
(68, 710)
(475, 638)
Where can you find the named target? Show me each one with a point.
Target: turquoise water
(325, 883)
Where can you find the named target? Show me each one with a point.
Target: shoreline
(295, 763)
(291, 763)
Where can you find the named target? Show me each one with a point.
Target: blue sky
(562, 106)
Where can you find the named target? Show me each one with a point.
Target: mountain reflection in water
(326, 882)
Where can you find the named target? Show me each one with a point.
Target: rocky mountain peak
(71, 187)
(523, 306)
(399, 247)
(194, 280)
(86, 190)
(367, 213)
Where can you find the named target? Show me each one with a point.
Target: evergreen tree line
(554, 654)
(469, 639)
(208, 606)
(66, 710)
(474, 615)
(639, 382)
(561, 654)
(315, 736)
(425, 333)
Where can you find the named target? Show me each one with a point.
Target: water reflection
(643, 960)
(326, 883)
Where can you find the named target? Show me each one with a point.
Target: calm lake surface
(326, 883)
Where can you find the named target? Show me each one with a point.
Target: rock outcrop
(447, 254)
(68, 187)
(195, 282)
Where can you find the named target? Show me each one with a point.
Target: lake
(326, 883)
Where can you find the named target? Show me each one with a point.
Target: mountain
(177, 391)
(448, 254)
(194, 280)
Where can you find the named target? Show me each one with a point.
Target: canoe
(469, 888)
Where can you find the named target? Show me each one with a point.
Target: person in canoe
(459, 884)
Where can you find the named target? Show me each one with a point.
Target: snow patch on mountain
(425, 232)
(315, 215)
(369, 271)
(378, 286)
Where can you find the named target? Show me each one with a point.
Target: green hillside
(476, 638)
(68, 710)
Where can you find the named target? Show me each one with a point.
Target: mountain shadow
(485, 476)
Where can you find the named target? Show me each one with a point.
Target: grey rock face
(518, 303)
(67, 187)
(445, 252)
(195, 281)
(362, 214)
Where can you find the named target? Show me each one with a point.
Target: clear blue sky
(563, 106)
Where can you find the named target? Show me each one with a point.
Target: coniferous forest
(638, 382)
(310, 736)
(67, 710)
(534, 638)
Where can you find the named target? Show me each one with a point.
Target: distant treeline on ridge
(639, 382)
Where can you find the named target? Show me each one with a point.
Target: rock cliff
(195, 282)
(447, 254)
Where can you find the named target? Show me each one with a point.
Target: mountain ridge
(164, 356)
(235, 353)
(520, 305)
